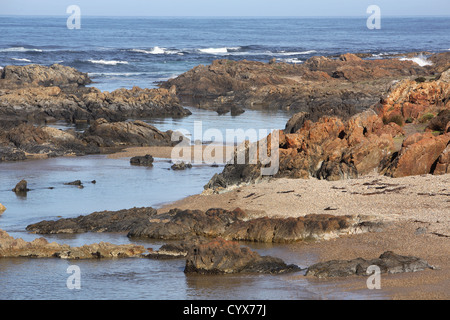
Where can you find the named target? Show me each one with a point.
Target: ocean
(124, 52)
(127, 52)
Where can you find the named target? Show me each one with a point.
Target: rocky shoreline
(360, 127)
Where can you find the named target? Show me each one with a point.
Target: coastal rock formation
(225, 257)
(387, 138)
(41, 248)
(33, 74)
(420, 154)
(106, 221)
(321, 86)
(388, 262)
(41, 94)
(29, 141)
(137, 133)
(2, 208)
(183, 224)
(21, 187)
(415, 102)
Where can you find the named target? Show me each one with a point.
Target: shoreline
(415, 208)
(416, 228)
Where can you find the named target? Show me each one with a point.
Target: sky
(295, 8)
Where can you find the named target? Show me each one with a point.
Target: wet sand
(416, 210)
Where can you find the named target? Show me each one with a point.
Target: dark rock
(21, 187)
(146, 160)
(74, 183)
(440, 122)
(106, 221)
(103, 133)
(388, 262)
(225, 257)
(181, 166)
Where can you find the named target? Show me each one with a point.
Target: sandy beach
(415, 209)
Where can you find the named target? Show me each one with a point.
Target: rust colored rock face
(420, 154)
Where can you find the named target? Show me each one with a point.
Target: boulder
(388, 262)
(419, 154)
(21, 187)
(2, 208)
(226, 257)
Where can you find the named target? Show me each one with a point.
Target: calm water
(123, 52)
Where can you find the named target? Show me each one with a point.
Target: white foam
(291, 60)
(108, 62)
(283, 53)
(21, 59)
(214, 50)
(20, 49)
(157, 50)
(420, 60)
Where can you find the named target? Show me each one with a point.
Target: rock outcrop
(225, 257)
(41, 248)
(29, 141)
(388, 138)
(213, 223)
(388, 262)
(106, 221)
(321, 86)
(39, 94)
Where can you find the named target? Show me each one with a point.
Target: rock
(420, 154)
(235, 111)
(137, 133)
(410, 101)
(74, 183)
(440, 122)
(2, 208)
(21, 187)
(442, 165)
(226, 257)
(119, 221)
(55, 75)
(37, 94)
(296, 122)
(146, 160)
(170, 252)
(445, 76)
(183, 224)
(321, 86)
(41, 248)
(388, 262)
(181, 166)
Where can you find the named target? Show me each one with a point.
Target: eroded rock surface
(388, 262)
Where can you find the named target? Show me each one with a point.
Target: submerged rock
(225, 257)
(388, 262)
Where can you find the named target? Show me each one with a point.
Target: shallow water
(120, 186)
